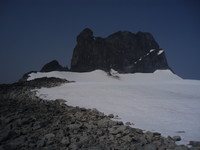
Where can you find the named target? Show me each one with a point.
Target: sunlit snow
(152, 50)
(159, 101)
(160, 52)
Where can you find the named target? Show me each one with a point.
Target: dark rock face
(53, 66)
(123, 51)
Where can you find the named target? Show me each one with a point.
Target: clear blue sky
(34, 32)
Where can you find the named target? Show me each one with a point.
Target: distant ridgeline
(123, 51)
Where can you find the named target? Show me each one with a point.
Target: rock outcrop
(53, 66)
(123, 51)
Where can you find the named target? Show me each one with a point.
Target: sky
(35, 32)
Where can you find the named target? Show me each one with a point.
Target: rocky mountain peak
(123, 51)
(53, 66)
(85, 35)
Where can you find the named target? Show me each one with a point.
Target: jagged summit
(123, 51)
(85, 34)
(53, 66)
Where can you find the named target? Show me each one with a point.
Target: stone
(112, 123)
(49, 136)
(74, 126)
(143, 140)
(195, 143)
(157, 143)
(111, 116)
(120, 123)
(127, 138)
(60, 133)
(117, 130)
(176, 138)
(65, 141)
(149, 147)
(156, 134)
(41, 143)
(84, 140)
(73, 146)
(128, 123)
(119, 135)
(149, 136)
(103, 123)
(180, 148)
(123, 51)
(195, 148)
(61, 101)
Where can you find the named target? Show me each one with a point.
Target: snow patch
(152, 50)
(160, 52)
(159, 101)
(113, 72)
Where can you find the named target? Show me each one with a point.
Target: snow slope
(159, 101)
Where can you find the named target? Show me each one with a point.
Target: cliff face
(123, 51)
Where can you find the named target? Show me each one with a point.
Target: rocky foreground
(28, 122)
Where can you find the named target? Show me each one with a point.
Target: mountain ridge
(123, 51)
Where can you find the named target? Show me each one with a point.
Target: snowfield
(159, 101)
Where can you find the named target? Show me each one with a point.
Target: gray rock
(142, 140)
(60, 133)
(117, 130)
(84, 140)
(180, 148)
(156, 134)
(73, 146)
(123, 51)
(128, 123)
(65, 141)
(127, 138)
(119, 135)
(120, 123)
(149, 136)
(195, 143)
(40, 143)
(157, 143)
(111, 116)
(49, 136)
(195, 148)
(112, 123)
(149, 147)
(176, 138)
(74, 126)
(103, 123)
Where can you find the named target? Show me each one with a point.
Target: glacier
(159, 102)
